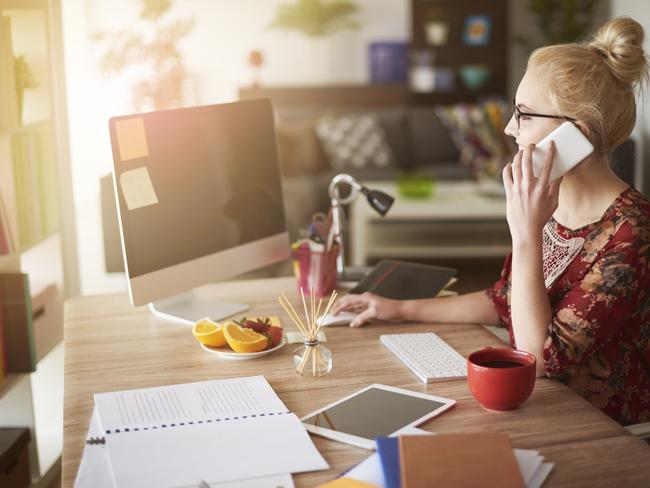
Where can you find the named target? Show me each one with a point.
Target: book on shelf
(6, 246)
(3, 355)
(33, 174)
(8, 94)
(17, 322)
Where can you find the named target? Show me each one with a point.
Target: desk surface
(110, 346)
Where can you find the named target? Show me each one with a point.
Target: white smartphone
(571, 147)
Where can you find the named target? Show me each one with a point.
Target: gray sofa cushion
(429, 140)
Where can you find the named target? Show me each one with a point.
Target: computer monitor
(199, 199)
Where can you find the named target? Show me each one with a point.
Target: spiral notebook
(181, 435)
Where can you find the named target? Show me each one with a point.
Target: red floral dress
(598, 282)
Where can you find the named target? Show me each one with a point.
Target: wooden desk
(111, 346)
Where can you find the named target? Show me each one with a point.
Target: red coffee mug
(501, 379)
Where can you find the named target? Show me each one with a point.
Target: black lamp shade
(378, 200)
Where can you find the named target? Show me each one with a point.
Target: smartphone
(571, 147)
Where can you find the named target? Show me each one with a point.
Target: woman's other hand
(369, 306)
(530, 201)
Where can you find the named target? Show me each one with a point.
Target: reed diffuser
(312, 358)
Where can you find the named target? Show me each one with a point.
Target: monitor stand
(189, 308)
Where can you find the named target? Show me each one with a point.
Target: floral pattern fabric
(598, 341)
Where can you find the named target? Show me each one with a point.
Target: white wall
(639, 10)
(216, 58)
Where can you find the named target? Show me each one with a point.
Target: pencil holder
(315, 269)
(312, 359)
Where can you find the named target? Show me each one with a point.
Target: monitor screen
(192, 182)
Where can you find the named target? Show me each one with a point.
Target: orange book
(469, 460)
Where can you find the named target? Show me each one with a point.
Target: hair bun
(620, 43)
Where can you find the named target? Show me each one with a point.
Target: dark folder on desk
(402, 280)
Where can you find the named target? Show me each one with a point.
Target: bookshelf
(36, 215)
(470, 57)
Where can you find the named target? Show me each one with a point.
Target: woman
(574, 291)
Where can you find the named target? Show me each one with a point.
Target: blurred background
(409, 96)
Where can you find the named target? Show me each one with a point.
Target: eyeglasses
(518, 114)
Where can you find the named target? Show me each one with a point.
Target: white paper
(369, 470)
(528, 461)
(189, 402)
(540, 475)
(216, 452)
(295, 336)
(279, 481)
(212, 431)
(137, 188)
(95, 470)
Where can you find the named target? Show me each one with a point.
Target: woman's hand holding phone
(531, 200)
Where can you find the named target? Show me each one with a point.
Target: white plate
(226, 353)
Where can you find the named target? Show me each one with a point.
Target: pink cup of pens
(314, 268)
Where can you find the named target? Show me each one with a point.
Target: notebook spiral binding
(96, 440)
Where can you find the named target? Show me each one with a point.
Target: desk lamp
(378, 200)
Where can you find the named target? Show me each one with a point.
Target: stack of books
(467, 460)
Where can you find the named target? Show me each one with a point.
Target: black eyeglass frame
(518, 114)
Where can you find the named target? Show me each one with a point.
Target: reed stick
(290, 312)
(295, 317)
(304, 360)
(304, 304)
(327, 309)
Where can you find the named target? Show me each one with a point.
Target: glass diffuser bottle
(312, 359)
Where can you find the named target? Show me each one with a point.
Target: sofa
(418, 141)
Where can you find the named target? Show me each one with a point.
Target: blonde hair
(594, 81)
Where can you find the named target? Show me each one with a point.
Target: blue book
(388, 450)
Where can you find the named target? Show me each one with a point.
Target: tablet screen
(373, 413)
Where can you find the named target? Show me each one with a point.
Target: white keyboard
(427, 355)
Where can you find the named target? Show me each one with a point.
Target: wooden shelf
(22, 4)
(455, 52)
(25, 128)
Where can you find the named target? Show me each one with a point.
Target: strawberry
(259, 327)
(275, 334)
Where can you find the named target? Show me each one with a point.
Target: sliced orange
(241, 339)
(209, 333)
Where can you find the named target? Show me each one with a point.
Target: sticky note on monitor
(137, 188)
(131, 138)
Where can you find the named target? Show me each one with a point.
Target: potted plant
(316, 18)
(436, 29)
(150, 43)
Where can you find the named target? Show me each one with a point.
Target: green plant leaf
(316, 18)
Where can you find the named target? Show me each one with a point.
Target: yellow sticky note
(137, 189)
(347, 483)
(131, 138)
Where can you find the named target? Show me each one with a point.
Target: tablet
(375, 411)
